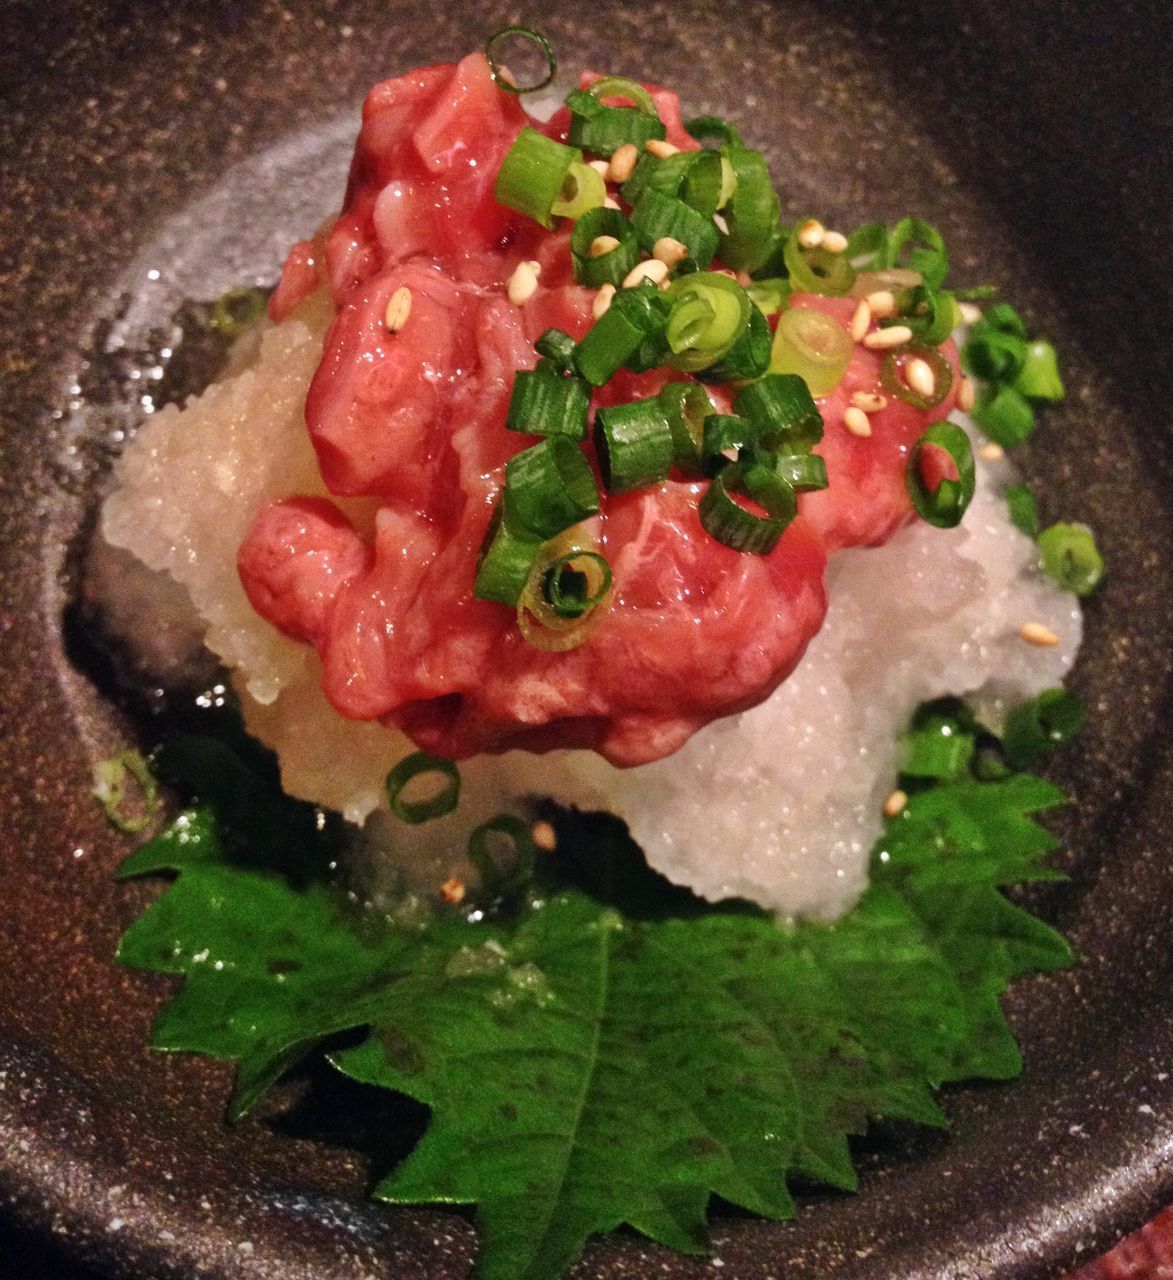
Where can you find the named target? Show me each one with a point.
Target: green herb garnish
(598, 1047)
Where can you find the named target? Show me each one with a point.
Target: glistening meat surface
(415, 419)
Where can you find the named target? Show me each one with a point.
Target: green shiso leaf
(613, 1050)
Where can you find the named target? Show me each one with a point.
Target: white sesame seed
(969, 313)
(601, 167)
(602, 300)
(966, 395)
(622, 162)
(992, 452)
(543, 835)
(670, 250)
(523, 283)
(398, 309)
(869, 401)
(810, 233)
(834, 241)
(919, 375)
(609, 202)
(720, 223)
(1038, 633)
(856, 421)
(660, 149)
(882, 303)
(603, 244)
(650, 269)
(884, 339)
(895, 804)
(861, 321)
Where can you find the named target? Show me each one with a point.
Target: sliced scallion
(657, 215)
(546, 402)
(549, 487)
(497, 880)
(634, 444)
(602, 129)
(493, 47)
(944, 505)
(713, 129)
(421, 765)
(1024, 514)
(583, 188)
(918, 245)
(634, 322)
(751, 211)
(533, 173)
(781, 407)
(709, 313)
(771, 295)
(812, 346)
(1071, 557)
(506, 558)
(557, 346)
(1038, 379)
(127, 814)
(734, 525)
(893, 374)
(686, 405)
(817, 270)
(606, 268)
(725, 432)
(541, 624)
(1004, 414)
(804, 472)
(577, 582)
(931, 314)
(235, 310)
(748, 357)
(622, 87)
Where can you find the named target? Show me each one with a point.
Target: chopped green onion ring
(702, 128)
(1024, 514)
(549, 487)
(944, 506)
(730, 523)
(533, 173)
(417, 765)
(498, 70)
(496, 882)
(540, 623)
(1039, 379)
(813, 346)
(583, 188)
(110, 791)
(235, 310)
(1071, 557)
(634, 444)
(781, 407)
(899, 358)
(709, 313)
(546, 402)
(606, 268)
(816, 270)
(506, 558)
(686, 405)
(751, 211)
(576, 583)
(621, 87)
(1004, 414)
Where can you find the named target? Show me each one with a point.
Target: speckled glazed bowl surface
(156, 151)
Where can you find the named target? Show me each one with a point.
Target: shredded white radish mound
(780, 805)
